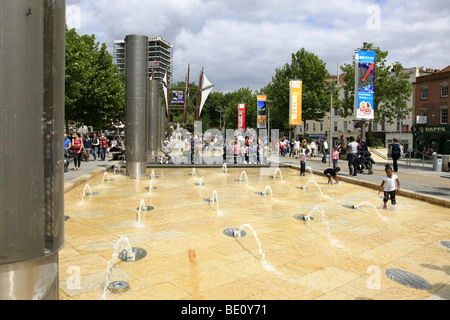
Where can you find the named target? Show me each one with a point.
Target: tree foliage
(392, 89)
(312, 71)
(95, 89)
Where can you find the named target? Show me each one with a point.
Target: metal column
(153, 127)
(162, 123)
(32, 54)
(136, 68)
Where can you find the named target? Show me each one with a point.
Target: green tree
(95, 89)
(233, 99)
(392, 89)
(210, 117)
(312, 71)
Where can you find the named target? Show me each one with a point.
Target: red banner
(241, 116)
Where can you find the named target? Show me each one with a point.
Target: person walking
(236, 151)
(95, 145)
(352, 156)
(324, 150)
(87, 142)
(313, 148)
(395, 150)
(297, 147)
(103, 147)
(67, 145)
(77, 144)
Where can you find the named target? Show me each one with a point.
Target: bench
(155, 157)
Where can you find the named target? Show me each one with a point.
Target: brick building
(432, 101)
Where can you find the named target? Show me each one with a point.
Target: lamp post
(331, 87)
(220, 120)
(268, 103)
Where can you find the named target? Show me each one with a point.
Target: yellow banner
(295, 102)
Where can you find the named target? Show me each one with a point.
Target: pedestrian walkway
(416, 181)
(88, 169)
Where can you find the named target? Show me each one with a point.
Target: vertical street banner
(262, 112)
(365, 75)
(295, 102)
(241, 116)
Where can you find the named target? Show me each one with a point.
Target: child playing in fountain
(390, 182)
(303, 157)
(332, 174)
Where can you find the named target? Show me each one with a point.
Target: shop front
(435, 137)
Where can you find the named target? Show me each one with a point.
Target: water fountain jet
(267, 191)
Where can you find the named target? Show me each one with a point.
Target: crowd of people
(82, 146)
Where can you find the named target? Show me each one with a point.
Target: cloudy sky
(240, 43)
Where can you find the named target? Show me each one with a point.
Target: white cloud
(241, 43)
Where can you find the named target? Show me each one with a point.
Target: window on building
(424, 95)
(345, 126)
(375, 126)
(306, 127)
(314, 127)
(444, 90)
(444, 115)
(398, 125)
(321, 126)
(335, 126)
(335, 112)
(423, 112)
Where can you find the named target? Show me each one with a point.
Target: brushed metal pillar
(32, 54)
(136, 68)
(162, 123)
(153, 127)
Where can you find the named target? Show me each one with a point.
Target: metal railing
(418, 156)
(410, 157)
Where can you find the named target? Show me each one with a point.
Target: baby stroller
(66, 162)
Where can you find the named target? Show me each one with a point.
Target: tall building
(160, 57)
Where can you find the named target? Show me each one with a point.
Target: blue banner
(365, 85)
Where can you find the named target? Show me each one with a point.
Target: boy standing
(390, 182)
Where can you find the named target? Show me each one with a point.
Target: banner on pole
(262, 112)
(295, 102)
(365, 85)
(241, 116)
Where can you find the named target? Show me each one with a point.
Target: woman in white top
(297, 147)
(352, 156)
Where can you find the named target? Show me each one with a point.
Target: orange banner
(295, 102)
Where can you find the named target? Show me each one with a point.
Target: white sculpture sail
(207, 87)
(166, 91)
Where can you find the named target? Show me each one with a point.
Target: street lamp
(220, 120)
(331, 86)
